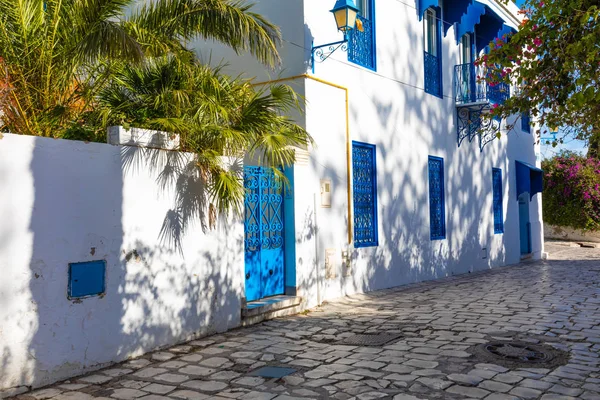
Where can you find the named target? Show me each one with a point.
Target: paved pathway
(440, 323)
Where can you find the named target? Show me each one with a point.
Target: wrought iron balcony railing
(361, 44)
(469, 86)
(433, 75)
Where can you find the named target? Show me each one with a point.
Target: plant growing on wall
(572, 191)
(554, 59)
(56, 54)
(216, 117)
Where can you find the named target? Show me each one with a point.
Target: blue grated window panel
(525, 123)
(437, 200)
(433, 76)
(497, 193)
(361, 45)
(364, 181)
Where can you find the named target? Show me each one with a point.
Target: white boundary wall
(67, 201)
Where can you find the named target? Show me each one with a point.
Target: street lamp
(345, 13)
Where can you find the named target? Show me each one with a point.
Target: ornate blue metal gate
(263, 227)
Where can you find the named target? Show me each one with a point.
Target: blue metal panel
(362, 44)
(497, 202)
(87, 278)
(263, 227)
(425, 4)
(525, 123)
(437, 200)
(364, 182)
(524, 225)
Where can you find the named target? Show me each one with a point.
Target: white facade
(389, 108)
(67, 202)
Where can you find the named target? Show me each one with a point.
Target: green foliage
(55, 55)
(572, 191)
(554, 59)
(215, 116)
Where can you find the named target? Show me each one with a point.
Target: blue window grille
(364, 181)
(433, 51)
(525, 123)
(497, 193)
(437, 200)
(361, 41)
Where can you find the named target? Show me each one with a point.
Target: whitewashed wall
(389, 108)
(67, 201)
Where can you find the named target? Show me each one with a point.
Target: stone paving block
(74, 386)
(127, 394)
(45, 393)
(401, 369)
(466, 379)
(501, 396)
(249, 381)
(435, 383)
(192, 358)
(526, 393)
(493, 386)
(197, 370)
(73, 396)
(258, 396)
(536, 384)
(467, 391)
(114, 372)
(95, 379)
(162, 356)
(149, 372)
(188, 395)
(171, 378)
(205, 386)
(565, 390)
(508, 378)
(157, 388)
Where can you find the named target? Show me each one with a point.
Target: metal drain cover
(520, 354)
(272, 372)
(523, 352)
(371, 340)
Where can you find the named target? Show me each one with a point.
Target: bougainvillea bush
(572, 191)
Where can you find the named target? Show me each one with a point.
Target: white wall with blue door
(408, 118)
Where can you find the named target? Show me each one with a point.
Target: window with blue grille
(433, 51)
(437, 200)
(525, 123)
(497, 193)
(361, 40)
(364, 182)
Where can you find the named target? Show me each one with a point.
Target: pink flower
(537, 41)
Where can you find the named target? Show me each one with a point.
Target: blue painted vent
(437, 200)
(87, 279)
(364, 181)
(497, 193)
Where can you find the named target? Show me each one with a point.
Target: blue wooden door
(524, 224)
(263, 224)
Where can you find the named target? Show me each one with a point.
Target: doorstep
(269, 308)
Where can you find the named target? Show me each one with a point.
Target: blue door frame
(263, 233)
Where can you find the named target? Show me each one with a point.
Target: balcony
(469, 88)
(361, 44)
(474, 100)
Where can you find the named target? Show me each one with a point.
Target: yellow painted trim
(348, 144)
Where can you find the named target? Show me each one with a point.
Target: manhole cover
(520, 354)
(272, 372)
(371, 340)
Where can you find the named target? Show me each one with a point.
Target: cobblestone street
(436, 345)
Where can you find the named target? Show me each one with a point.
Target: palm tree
(56, 54)
(218, 118)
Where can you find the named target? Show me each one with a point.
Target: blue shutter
(437, 200)
(525, 123)
(432, 62)
(497, 193)
(364, 181)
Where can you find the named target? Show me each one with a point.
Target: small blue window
(433, 51)
(437, 200)
(364, 181)
(497, 193)
(361, 40)
(525, 123)
(87, 279)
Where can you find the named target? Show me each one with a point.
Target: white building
(386, 198)
(399, 188)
